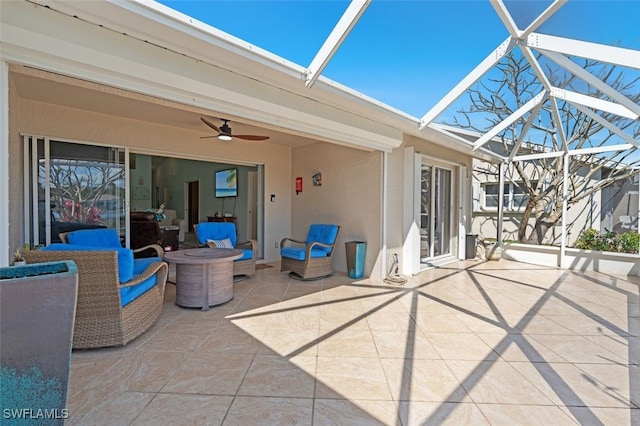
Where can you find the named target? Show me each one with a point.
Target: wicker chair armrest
(249, 243)
(313, 244)
(284, 240)
(155, 247)
(151, 270)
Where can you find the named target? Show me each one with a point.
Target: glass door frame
(32, 180)
(434, 167)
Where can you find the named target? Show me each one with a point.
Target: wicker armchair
(212, 234)
(315, 259)
(101, 320)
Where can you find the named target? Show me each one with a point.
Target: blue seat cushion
(129, 294)
(246, 255)
(125, 257)
(325, 234)
(300, 253)
(141, 264)
(216, 231)
(103, 237)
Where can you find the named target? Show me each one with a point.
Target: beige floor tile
(331, 412)
(287, 342)
(347, 343)
(496, 383)
(262, 357)
(232, 339)
(578, 349)
(441, 323)
(383, 320)
(214, 373)
(343, 316)
(101, 407)
(178, 409)
(516, 414)
(515, 347)
(422, 380)
(271, 375)
(143, 371)
(404, 344)
(419, 413)
(83, 371)
(603, 416)
(249, 410)
(567, 385)
(463, 346)
(351, 378)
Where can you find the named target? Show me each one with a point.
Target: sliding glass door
(435, 211)
(73, 186)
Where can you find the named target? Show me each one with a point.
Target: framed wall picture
(317, 179)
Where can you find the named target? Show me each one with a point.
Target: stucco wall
(350, 196)
(72, 124)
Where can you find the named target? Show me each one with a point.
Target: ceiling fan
(224, 132)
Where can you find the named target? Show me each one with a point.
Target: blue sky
(407, 54)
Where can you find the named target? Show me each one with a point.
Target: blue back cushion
(125, 257)
(321, 233)
(216, 231)
(103, 237)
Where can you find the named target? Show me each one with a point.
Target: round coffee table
(204, 276)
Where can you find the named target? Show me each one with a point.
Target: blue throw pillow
(103, 237)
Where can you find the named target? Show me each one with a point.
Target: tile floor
(470, 343)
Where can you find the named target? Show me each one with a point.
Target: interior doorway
(193, 204)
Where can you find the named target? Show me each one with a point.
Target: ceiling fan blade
(210, 124)
(251, 137)
(207, 137)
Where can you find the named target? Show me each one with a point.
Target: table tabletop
(203, 255)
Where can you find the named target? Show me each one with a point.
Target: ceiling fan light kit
(224, 132)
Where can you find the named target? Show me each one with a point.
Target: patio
(468, 343)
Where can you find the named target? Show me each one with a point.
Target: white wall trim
(4, 162)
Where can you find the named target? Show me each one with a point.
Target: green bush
(590, 239)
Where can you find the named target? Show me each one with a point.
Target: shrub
(590, 239)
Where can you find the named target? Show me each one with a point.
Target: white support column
(501, 172)
(4, 163)
(384, 216)
(565, 192)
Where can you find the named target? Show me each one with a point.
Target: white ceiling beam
(592, 80)
(599, 52)
(484, 66)
(540, 156)
(557, 120)
(525, 130)
(338, 35)
(614, 129)
(533, 61)
(505, 17)
(591, 102)
(541, 19)
(516, 115)
(601, 149)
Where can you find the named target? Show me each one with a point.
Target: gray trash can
(470, 248)
(356, 251)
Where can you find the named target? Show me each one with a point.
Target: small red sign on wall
(298, 185)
